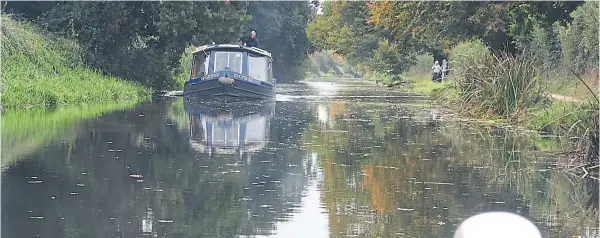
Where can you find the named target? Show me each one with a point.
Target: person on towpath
(436, 71)
(444, 69)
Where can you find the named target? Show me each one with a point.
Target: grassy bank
(483, 85)
(425, 86)
(511, 90)
(41, 70)
(572, 126)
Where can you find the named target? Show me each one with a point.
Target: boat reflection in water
(232, 128)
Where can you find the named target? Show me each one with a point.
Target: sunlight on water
(309, 221)
(310, 218)
(324, 88)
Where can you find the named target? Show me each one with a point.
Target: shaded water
(326, 160)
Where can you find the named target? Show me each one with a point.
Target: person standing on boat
(252, 41)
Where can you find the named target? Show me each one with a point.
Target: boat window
(258, 67)
(233, 60)
(225, 133)
(199, 65)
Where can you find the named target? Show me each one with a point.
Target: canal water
(328, 159)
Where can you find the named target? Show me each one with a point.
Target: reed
(583, 128)
(41, 70)
(575, 122)
(499, 85)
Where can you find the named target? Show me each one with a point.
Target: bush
(382, 78)
(469, 62)
(182, 73)
(505, 85)
(463, 54)
(421, 69)
(389, 56)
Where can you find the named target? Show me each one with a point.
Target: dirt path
(564, 98)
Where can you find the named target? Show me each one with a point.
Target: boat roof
(232, 46)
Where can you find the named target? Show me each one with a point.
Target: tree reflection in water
(391, 170)
(378, 169)
(135, 172)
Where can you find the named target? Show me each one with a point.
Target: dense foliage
(143, 41)
(505, 57)
(328, 64)
(281, 29)
(386, 36)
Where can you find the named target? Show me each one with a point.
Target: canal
(328, 159)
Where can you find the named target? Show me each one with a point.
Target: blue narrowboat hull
(228, 85)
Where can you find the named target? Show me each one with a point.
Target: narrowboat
(239, 127)
(230, 72)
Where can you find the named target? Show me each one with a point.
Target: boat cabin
(249, 61)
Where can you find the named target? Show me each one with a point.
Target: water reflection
(400, 171)
(236, 128)
(135, 173)
(321, 168)
(26, 132)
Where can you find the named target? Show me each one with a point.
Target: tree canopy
(144, 41)
(385, 36)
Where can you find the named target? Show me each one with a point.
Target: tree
(344, 29)
(140, 41)
(281, 28)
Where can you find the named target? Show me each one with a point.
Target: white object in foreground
(497, 224)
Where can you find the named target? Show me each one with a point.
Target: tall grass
(511, 87)
(585, 131)
(41, 70)
(502, 85)
(581, 125)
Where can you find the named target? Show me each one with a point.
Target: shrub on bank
(507, 86)
(576, 121)
(40, 70)
(502, 85)
(182, 73)
(383, 78)
(421, 70)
